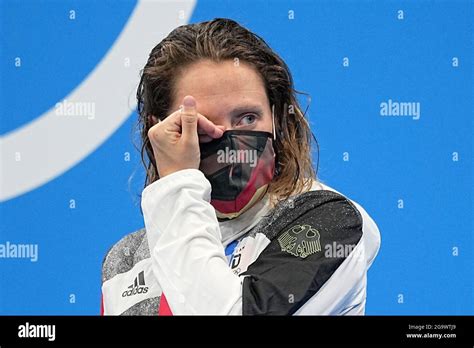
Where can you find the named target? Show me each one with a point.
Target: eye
(247, 120)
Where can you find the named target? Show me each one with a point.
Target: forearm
(185, 245)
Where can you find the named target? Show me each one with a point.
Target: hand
(175, 141)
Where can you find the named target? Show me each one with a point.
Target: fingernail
(189, 102)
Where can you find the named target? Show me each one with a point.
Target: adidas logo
(138, 286)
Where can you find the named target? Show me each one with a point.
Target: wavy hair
(218, 40)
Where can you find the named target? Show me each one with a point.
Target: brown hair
(218, 40)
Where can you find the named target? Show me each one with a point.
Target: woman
(235, 220)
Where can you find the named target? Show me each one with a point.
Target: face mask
(239, 166)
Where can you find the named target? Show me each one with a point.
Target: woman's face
(230, 95)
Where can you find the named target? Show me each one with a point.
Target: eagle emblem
(300, 241)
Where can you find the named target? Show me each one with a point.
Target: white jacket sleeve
(188, 258)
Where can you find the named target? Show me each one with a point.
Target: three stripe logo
(137, 287)
(139, 280)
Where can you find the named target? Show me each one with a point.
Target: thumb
(189, 118)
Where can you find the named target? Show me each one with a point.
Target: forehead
(218, 87)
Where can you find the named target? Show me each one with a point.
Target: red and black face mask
(239, 166)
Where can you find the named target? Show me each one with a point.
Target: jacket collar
(235, 228)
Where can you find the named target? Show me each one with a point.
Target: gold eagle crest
(300, 241)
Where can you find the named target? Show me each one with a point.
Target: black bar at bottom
(314, 330)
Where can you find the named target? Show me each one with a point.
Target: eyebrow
(256, 109)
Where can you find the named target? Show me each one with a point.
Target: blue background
(391, 158)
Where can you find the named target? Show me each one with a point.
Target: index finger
(207, 127)
(207, 130)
